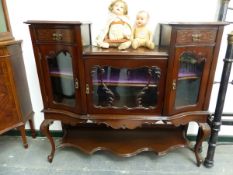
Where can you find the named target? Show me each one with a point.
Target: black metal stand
(223, 10)
(217, 121)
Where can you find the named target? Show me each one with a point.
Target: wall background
(96, 12)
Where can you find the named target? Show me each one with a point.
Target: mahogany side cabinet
(126, 101)
(15, 103)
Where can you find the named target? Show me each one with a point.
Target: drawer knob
(196, 37)
(57, 36)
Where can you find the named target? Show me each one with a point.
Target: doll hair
(110, 8)
(145, 12)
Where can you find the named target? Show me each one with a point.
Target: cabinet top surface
(217, 23)
(96, 51)
(56, 22)
(6, 43)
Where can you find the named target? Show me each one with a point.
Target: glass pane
(3, 27)
(61, 76)
(125, 88)
(189, 78)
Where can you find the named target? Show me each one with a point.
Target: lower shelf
(125, 142)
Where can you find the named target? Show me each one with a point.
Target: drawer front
(188, 36)
(55, 35)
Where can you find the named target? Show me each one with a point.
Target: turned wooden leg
(23, 135)
(44, 128)
(203, 133)
(33, 132)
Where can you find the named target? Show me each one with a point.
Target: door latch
(174, 85)
(87, 89)
(76, 84)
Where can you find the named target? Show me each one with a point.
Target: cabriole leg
(33, 132)
(203, 133)
(44, 128)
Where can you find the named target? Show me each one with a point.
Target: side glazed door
(189, 79)
(60, 73)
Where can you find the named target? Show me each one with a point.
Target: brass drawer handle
(57, 36)
(196, 37)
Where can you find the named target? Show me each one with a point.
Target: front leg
(44, 128)
(23, 135)
(32, 127)
(203, 133)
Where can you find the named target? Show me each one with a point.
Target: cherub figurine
(118, 31)
(142, 36)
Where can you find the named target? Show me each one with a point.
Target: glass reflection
(61, 76)
(3, 26)
(125, 88)
(189, 78)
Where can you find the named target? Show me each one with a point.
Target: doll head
(142, 18)
(118, 7)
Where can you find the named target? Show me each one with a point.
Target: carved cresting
(153, 73)
(192, 62)
(107, 95)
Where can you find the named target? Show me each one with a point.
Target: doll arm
(127, 31)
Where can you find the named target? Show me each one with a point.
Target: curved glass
(61, 76)
(125, 88)
(189, 78)
(3, 26)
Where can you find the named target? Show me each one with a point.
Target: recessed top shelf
(158, 52)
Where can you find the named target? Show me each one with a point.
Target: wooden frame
(6, 36)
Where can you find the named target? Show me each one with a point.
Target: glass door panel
(191, 67)
(61, 77)
(3, 26)
(127, 88)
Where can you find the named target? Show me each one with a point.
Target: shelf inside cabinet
(132, 83)
(61, 74)
(187, 76)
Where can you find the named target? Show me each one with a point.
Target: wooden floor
(15, 160)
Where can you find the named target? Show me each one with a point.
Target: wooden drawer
(188, 36)
(54, 35)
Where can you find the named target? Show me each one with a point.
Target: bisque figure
(118, 31)
(142, 36)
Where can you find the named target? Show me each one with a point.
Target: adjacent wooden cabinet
(126, 101)
(15, 103)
